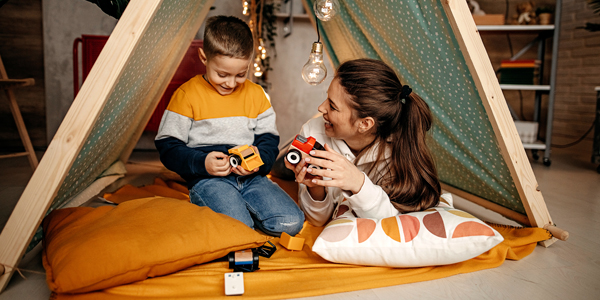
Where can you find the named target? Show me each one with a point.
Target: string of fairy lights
(314, 71)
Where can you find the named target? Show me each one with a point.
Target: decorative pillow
(438, 236)
(87, 249)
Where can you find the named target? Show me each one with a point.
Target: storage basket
(527, 131)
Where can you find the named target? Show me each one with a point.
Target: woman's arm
(371, 201)
(317, 212)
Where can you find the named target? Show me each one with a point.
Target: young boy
(214, 112)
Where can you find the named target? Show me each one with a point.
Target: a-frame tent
(108, 115)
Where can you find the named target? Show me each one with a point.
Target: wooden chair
(8, 85)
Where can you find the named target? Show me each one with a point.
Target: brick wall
(578, 72)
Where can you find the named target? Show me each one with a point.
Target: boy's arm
(181, 159)
(267, 144)
(266, 137)
(173, 134)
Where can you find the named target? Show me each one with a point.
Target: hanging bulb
(262, 51)
(258, 67)
(326, 9)
(245, 8)
(314, 71)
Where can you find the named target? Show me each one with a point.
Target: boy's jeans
(254, 200)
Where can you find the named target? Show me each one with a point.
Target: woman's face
(337, 113)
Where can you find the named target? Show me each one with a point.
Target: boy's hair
(410, 179)
(228, 36)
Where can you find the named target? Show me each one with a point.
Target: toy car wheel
(314, 167)
(293, 156)
(235, 160)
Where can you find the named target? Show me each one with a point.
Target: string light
(314, 71)
(326, 9)
(258, 67)
(262, 50)
(245, 8)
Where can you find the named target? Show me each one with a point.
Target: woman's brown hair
(401, 125)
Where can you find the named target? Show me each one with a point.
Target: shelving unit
(543, 32)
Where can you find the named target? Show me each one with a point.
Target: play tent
(433, 45)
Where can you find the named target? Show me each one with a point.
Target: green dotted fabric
(127, 104)
(416, 39)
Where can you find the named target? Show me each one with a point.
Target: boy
(219, 110)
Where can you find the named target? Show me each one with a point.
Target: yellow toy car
(244, 156)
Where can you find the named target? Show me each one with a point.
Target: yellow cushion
(87, 249)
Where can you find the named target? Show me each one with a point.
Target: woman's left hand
(342, 172)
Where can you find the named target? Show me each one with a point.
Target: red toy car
(301, 148)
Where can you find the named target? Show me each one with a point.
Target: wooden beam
(14, 83)
(61, 153)
(513, 215)
(496, 108)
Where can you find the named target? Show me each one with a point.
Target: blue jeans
(254, 200)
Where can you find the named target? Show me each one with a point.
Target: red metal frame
(91, 46)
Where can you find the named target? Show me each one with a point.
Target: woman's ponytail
(402, 120)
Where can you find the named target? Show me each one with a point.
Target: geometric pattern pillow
(438, 236)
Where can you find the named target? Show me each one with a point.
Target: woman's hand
(217, 164)
(300, 171)
(342, 172)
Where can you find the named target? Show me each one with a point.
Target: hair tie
(406, 90)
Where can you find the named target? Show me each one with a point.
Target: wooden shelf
(537, 145)
(525, 87)
(516, 28)
(295, 16)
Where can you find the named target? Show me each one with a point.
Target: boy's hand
(217, 164)
(241, 171)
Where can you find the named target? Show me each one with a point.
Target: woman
(374, 131)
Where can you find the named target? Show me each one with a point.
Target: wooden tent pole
(513, 215)
(477, 59)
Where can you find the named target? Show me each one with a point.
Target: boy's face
(225, 73)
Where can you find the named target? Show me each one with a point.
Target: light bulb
(258, 68)
(326, 9)
(314, 71)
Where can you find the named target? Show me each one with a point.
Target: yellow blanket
(290, 274)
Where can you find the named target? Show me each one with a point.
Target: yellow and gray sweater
(199, 120)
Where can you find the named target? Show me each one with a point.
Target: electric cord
(579, 139)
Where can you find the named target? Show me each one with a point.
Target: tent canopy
(433, 46)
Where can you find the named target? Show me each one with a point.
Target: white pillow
(438, 236)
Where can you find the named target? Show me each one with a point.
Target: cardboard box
(491, 19)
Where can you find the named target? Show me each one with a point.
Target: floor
(565, 270)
